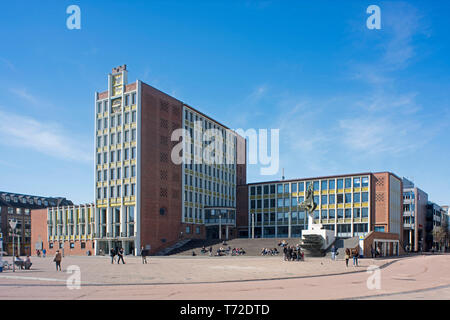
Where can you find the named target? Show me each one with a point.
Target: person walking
(57, 260)
(347, 256)
(143, 255)
(333, 253)
(44, 252)
(355, 257)
(112, 253)
(120, 254)
(210, 251)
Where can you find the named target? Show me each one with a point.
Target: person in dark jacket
(120, 254)
(112, 253)
(144, 255)
(57, 260)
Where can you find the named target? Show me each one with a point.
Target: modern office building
(435, 218)
(351, 205)
(15, 206)
(147, 194)
(69, 229)
(415, 203)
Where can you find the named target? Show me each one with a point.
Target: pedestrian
(347, 256)
(112, 253)
(57, 260)
(143, 255)
(355, 257)
(285, 251)
(333, 253)
(120, 254)
(372, 251)
(210, 251)
(44, 252)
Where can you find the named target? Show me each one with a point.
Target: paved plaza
(415, 277)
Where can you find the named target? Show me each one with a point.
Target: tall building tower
(153, 187)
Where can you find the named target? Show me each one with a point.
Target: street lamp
(13, 224)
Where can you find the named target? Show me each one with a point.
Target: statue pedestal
(316, 240)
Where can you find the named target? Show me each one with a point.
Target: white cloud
(24, 94)
(44, 137)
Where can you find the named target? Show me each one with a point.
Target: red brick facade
(39, 236)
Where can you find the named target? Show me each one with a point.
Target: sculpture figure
(309, 205)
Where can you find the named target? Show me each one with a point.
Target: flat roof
(320, 178)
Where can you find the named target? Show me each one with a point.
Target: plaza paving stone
(416, 277)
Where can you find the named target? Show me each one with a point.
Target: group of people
(293, 253)
(354, 253)
(119, 252)
(269, 252)
(23, 264)
(222, 251)
(38, 252)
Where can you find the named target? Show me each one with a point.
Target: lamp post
(220, 226)
(13, 224)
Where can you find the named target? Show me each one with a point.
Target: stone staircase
(252, 247)
(168, 250)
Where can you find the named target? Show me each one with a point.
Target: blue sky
(345, 98)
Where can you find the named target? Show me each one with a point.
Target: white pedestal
(316, 229)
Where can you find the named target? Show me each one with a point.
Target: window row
(329, 184)
(116, 191)
(116, 173)
(130, 99)
(116, 155)
(207, 200)
(116, 138)
(339, 198)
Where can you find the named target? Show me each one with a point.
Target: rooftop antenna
(282, 177)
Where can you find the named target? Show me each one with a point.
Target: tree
(440, 235)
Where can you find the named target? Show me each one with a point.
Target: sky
(345, 98)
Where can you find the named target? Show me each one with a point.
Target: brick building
(143, 196)
(15, 206)
(69, 229)
(351, 205)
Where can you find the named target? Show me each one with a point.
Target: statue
(309, 205)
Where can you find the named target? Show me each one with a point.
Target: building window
(365, 196)
(133, 116)
(365, 181)
(133, 153)
(378, 229)
(340, 183)
(348, 183)
(357, 197)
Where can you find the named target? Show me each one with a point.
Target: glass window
(286, 188)
(340, 213)
(348, 183)
(348, 198)
(316, 199)
(133, 116)
(356, 212)
(365, 196)
(331, 212)
(340, 198)
(332, 184)
(348, 213)
(286, 202)
(294, 187)
(365, 181)
(280, 203)
(301, 186)
(356, 182)
(316, 185)
(316, 214)
(324, 184)
(365, 212)
(252, 191)
(324, 214)
(324, 199)
(357, 197)
(340, 183)
(331, 198)
(279, 188)
(294, 202)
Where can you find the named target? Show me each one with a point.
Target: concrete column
(289, 224)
